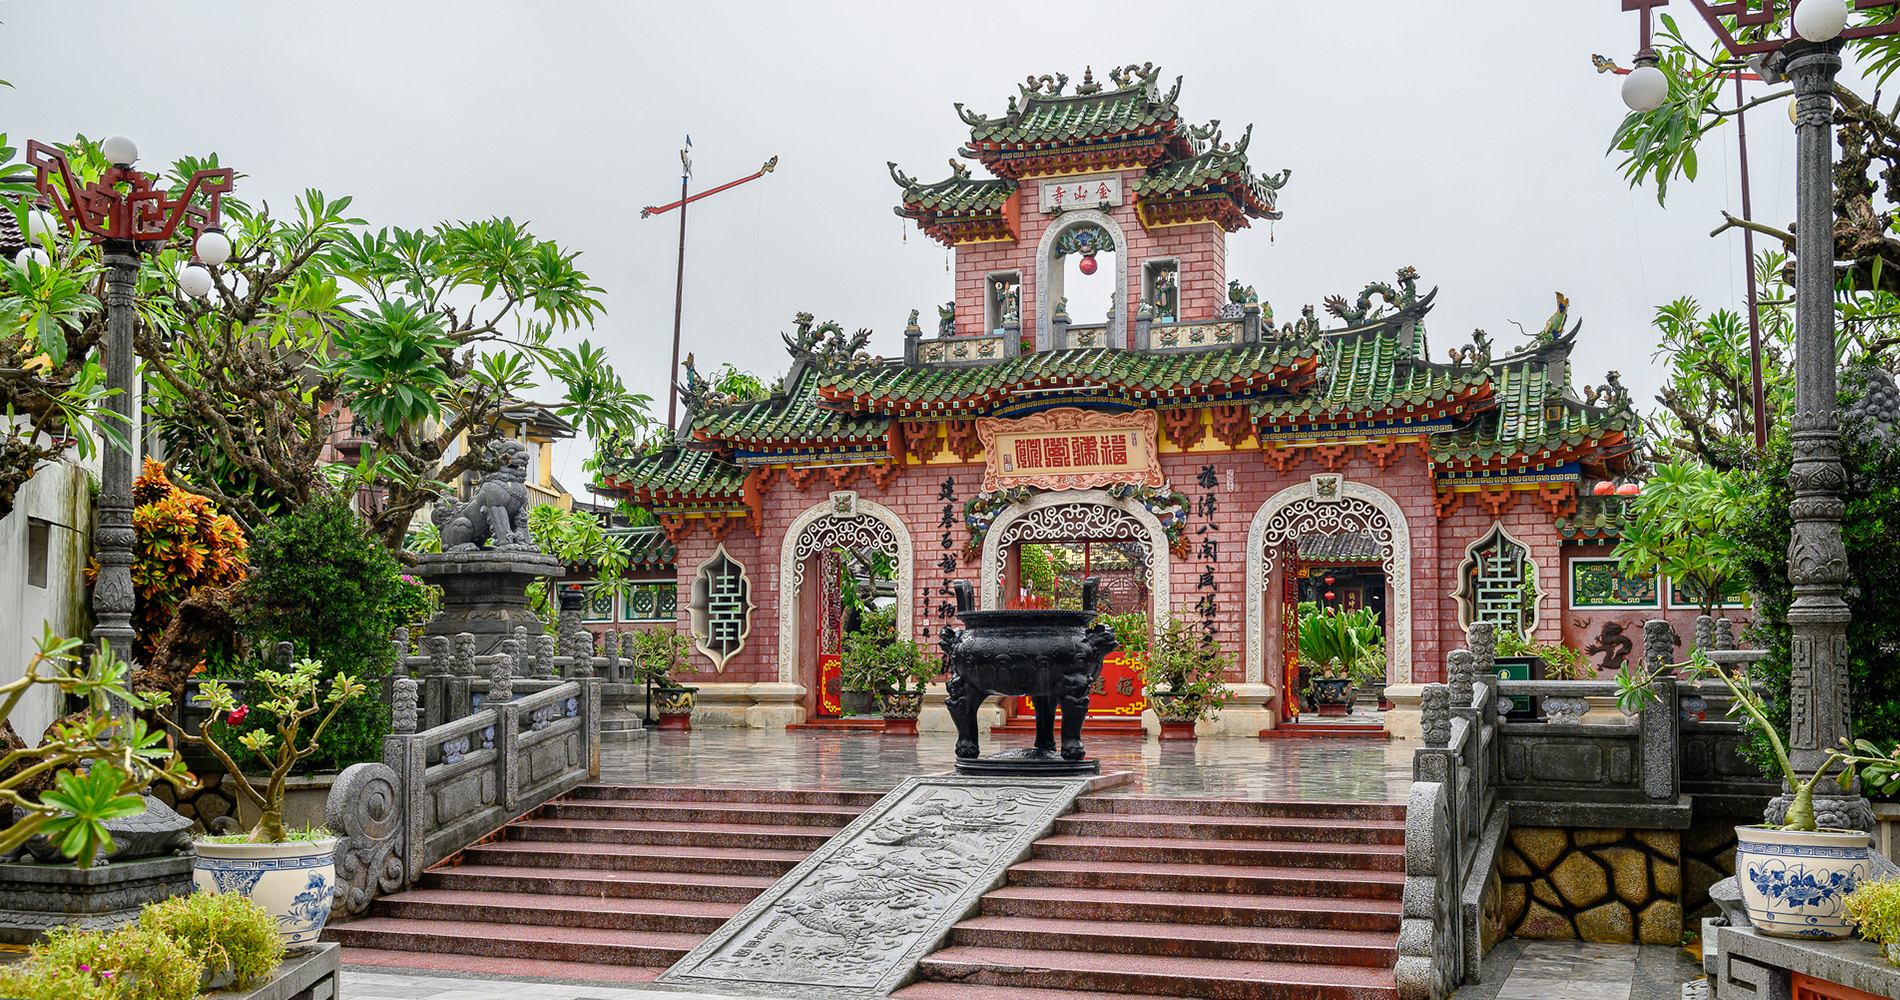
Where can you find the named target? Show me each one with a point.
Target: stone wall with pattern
(1610, 886)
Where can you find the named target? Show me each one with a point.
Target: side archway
(1046, 265)
(848, 521)
(1075, 514)
(1328, 503)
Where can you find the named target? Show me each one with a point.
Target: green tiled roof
(956, 195)
(1596, 517)
(1369, 374)
(795, 418)
(1216, 168)
(1042, 118)
(647, 547)
(1518, 421)
(674, 471)
(1140, 375)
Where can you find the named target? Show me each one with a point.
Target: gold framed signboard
(1070, 449)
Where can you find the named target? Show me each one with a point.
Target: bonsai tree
(1880, 771)
(1185, 663)
(906, 668)
(658, 653)
(291, 697)
(863, 666)
(44, 786)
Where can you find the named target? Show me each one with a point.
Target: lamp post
(1820, 713)
(128, 216)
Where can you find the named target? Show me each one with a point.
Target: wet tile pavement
(1298, 769)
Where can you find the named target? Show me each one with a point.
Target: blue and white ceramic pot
(292, 881)
(1793, 881)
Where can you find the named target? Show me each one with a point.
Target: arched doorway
(844, 521)
(1326, 504)
(1050, 253)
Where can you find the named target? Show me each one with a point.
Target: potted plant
(1183, 677)
(861, 665)
(1333, 642)
(1874, 907)
(290, 873)
(178, 947)
(1517, 659)
(1795, 876)
(1368, 672)
(901, 692)
(659, 652)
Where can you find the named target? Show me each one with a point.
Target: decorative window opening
(38, 541)
(1002, 300)
(721, 608)
(1074, 255)
(1161, 289)
(649, 602)
(1497, 583)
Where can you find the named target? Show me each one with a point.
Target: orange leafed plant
(183, 544)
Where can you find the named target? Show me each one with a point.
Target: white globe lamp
(1820, 20)
(213, 247)
(194, 279)
(41, 224)
(32, 255)
(120, 151)
(1645, 88)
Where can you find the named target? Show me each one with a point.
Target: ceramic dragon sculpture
(827, 346)
(698, 393)
(1395, 298)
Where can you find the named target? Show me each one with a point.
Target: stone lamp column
(1820, 714)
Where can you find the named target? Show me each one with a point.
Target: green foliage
(88, 799)
(1561, 663)
(328, 588)
(224, 931)
(577, 538)
(1684, 525)
(1037, 572)
(1184, 660)
(862, 663)
(1131, 630)
(1875, 907)
(659, 652)
(1660, 145)
(131, 963)
(184, 545)
(743, 387)
(1334, 641)
(389, 362)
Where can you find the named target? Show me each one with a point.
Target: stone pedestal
(485, 592)
(35, 898)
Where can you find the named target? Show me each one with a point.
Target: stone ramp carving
(853, 920)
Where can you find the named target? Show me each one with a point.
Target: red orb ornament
(1087, 265)
(1605, 488)
(1329, 595)
(1628, 490)
(1329, 581)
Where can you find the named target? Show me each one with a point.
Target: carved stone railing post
(367, 811)
(406, 756)
(1724, 633)
(1704, 633)
(544, 647)
(399, 645)
(507, 750)
(462, 657)
(1435, 715)
(437, 649)
(1661, 741)
(1659, 645)
(1482, 640)
(610, 651)
(1461, 680)
(590, 723)
(524, 652)
(402, 706)
(501, 682)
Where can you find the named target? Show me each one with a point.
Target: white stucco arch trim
(1292, 511)
(1159, 566)
(831, 526)
(1045, 256)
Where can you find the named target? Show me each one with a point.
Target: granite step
(607, 831)
(1329, 812)
(1251, 853)
(1314, 882)
(602, 913)
(510, 968)
(634, 811)
(1226, 909)
(1247, 944)
(1203, 978)
(597, 883)
(652, 949)
(699, 794)
(964, 991)
(1268, 828)
(635, 857)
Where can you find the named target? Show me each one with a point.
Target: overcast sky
(1462, 137)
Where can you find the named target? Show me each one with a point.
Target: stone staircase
(612, 883)
(1135, 897)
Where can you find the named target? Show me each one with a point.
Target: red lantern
(1605, 488)
(1628, 490)
(1329, 581)
(1329, 595)
(1087, 264)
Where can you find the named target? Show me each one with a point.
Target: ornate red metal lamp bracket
(123, 204)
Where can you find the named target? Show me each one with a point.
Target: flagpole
(679, 297)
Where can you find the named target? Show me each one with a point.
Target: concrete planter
(292, 881)
(1176, 716)
(1793, 881)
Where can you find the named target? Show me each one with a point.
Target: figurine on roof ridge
(1395, 298)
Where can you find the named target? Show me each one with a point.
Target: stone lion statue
(497, 515)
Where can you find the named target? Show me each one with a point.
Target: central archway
(852, 522)
(1330, 504)
(1076, 514)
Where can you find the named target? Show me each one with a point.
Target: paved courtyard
(1312, 769)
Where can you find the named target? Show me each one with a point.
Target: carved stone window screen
(721, 608)
(1072, 523)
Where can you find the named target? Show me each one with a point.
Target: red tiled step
(1253, 853)
(513, 968)
(1332, 913)
(708, 812)
(603, 913)
(965, 991)
(635, 857)
(1326, 730)
(697, 886)
(563, 944)
(602, 831)
(836, 725)
(1274, 828)
(1205, 978)
(1209, 878)
(1246, 944)
(697, 794)
(1329, 812)
(1094, 725)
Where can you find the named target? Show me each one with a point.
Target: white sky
(1462, 137)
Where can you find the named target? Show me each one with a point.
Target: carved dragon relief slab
(852, 921)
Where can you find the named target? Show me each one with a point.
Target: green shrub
(1131, 631)
(131, 963)
(1875, 907)
(861, 666)
(326, 586)
(223, 931)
